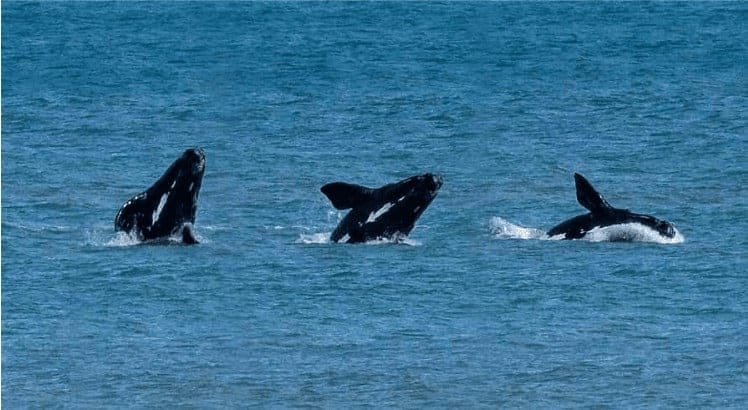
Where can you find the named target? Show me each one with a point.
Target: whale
(385, 213)
(602, 214)
(168, 207)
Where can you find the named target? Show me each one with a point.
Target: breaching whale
(603, 215)
(388, 212)
(168, 207)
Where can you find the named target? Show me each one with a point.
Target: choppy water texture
(504, 100)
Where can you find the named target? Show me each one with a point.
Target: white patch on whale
(630, 232)
(374, 215)
(157, 212)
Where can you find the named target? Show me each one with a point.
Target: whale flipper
(130, 215)
(588, 197)
(188, 237)
(345, 196)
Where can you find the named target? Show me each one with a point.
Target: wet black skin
(409, 198)
(602, 214)
(182, 181)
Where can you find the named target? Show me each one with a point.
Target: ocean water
(475, 309)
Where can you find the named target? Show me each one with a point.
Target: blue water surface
(505, 100)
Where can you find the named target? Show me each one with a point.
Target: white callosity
(375, 215)
(160, 207)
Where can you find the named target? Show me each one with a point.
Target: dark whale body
(169, 206)
(602, 215)
(388, 212)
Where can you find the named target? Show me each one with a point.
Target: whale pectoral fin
(188, 237)
(588, 197)
(130, 213)
(344, 196)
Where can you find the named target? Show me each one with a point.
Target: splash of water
(314, 238)
(503, 229)
(324, 238)
(124, 239)
(397, 239)
(121, 239)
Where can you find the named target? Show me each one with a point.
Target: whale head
(662, 227)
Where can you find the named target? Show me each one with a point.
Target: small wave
(291, 227)
(39, 228)
(215, 228)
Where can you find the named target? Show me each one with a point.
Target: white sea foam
(397, 239)
(120, 239)
(324, 238)
(104, 238)
(39, 227)
(314, 238)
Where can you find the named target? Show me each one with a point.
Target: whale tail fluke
(345, 196)
(588, 197)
